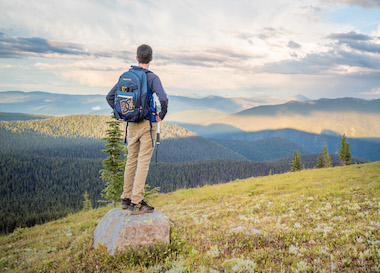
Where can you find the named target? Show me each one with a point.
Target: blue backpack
(132, 98)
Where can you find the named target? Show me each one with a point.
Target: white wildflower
(214, 251)
(293, 249)
(302, 267)
(333, 266)
(376, 268)
(359, 240)
(323, 249)
(239, 265)
(354, 207)
(365, 255)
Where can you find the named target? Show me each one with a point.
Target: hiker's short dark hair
(144, 53)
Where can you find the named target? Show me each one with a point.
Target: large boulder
(118, 229)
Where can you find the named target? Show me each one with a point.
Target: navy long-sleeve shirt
(154, 84)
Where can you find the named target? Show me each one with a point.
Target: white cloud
(373, 92)
(363, 3)
(96, 108)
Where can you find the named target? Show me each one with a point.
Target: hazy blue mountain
(350, 116)
(212, 130)
(52, 104)
(366, 148)
(64, 104)
(263, 149)
(307, 107)
(20, 116)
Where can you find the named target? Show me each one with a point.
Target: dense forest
(48, 163)
(35, 189)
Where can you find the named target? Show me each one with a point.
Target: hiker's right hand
(157, 116)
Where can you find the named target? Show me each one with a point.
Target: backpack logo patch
(126, 105)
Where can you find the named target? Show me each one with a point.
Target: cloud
(373, 92)
(293, 45)
(367, 47)
(332, 62)
(18, 47)
(352, 35)
(206, 57)
(349, 53)
(362, 3)
(21, 47)
(357, 41)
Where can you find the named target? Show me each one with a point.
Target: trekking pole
(157, 140)
(158, 132)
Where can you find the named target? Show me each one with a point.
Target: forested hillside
(367, 148)
(48, 164)
(80, 136)
(35, 189)
(79, 126)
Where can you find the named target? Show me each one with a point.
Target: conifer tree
(296, 163)
(326, 157)
(320, 163)
(113, 172)
(87, 202)
(344, 151)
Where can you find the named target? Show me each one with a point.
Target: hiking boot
(126, 204)
(141, 208)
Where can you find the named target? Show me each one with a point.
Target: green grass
(324, 220)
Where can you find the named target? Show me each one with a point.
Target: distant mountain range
(296, 125)
(354, 117)
(62, 104)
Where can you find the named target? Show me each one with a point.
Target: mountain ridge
(40, 102)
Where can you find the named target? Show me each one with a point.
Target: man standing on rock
(141, 137)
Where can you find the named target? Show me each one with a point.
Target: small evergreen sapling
(326, 157)
(296, 163)
(344, 151)
(320, 163)
(114, 164)
(87, 205)
(113, 172)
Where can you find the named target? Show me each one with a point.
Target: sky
(241, 48)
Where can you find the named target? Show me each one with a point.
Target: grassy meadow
(320, 220)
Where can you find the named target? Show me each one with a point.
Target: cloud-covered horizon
(272, 48)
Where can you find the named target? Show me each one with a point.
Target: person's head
(144, 54)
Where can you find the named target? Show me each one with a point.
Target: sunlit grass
(324, 220)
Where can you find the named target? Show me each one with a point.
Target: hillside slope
(314, 220)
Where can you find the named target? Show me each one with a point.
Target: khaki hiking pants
(140, 151)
